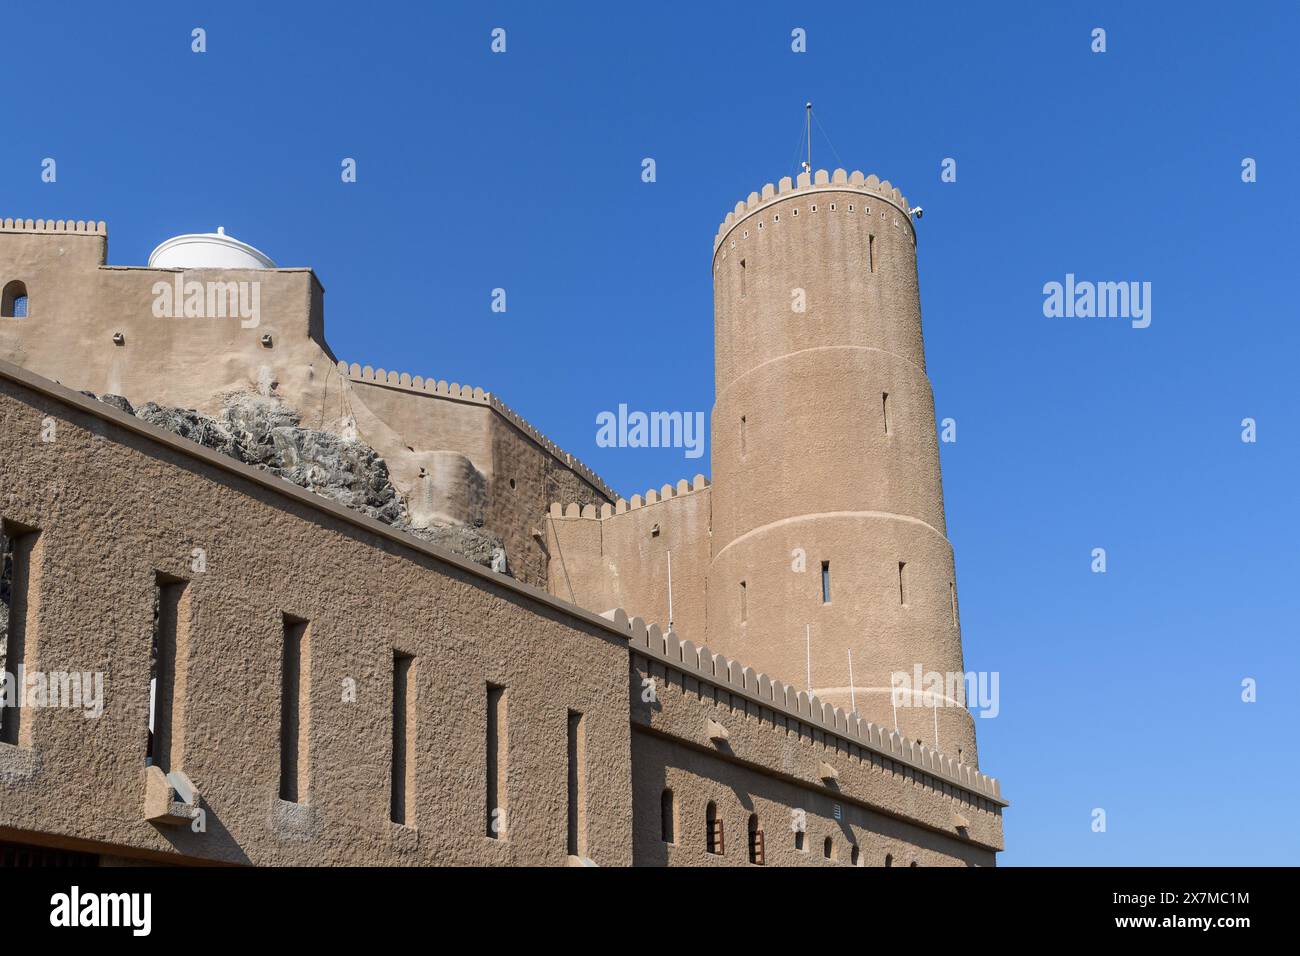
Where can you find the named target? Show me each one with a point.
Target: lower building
(330, 690)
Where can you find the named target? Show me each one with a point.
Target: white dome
(208, 250)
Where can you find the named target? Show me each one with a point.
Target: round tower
(829, 545)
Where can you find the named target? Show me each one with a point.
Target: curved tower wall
(825, 450)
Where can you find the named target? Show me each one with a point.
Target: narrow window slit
(577, 839)
(295, 715)
(169, 672)
(20, 577)
(497, 753)
(402, 810)
(668, 817)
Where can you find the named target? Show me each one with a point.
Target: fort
(542, 671)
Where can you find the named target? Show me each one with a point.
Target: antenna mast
(807, 166)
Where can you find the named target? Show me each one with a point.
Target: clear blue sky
(522, 170)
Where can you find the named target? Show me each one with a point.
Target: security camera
(916, 211)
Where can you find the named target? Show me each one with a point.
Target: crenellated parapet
(455, 391)
(623, 505)
(801, 705)
(75, 226)
(415, 383)
(820, 181)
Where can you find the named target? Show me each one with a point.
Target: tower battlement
(839, 180)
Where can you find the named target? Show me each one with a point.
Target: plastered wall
(619, 556)
(452, 451)
(116, 502)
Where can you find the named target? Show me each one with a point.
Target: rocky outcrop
(267, 434)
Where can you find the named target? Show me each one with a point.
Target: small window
(871, 252)
(744, 602)
(902, 578)
(13, 301)
(755, 841)
(884, 409)
(744, 436)
(889, 859)
(828, 849)
(855, 857)
(668, 817)
(742, 276)
(798, 840)
(716, 842)
(826, 582)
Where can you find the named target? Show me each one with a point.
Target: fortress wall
(444, 444)
(864, 616)
(422, 423)
(77, 305)
(526, 477)
(865, 294)
(520, 469)
(816, 442)
(825, 452)
(612, 558)
(272, 549)
(696, 777)
(117, 501)
(778, 743)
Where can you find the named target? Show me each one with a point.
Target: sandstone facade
(296, 670)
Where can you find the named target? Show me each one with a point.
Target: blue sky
(476, 171)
